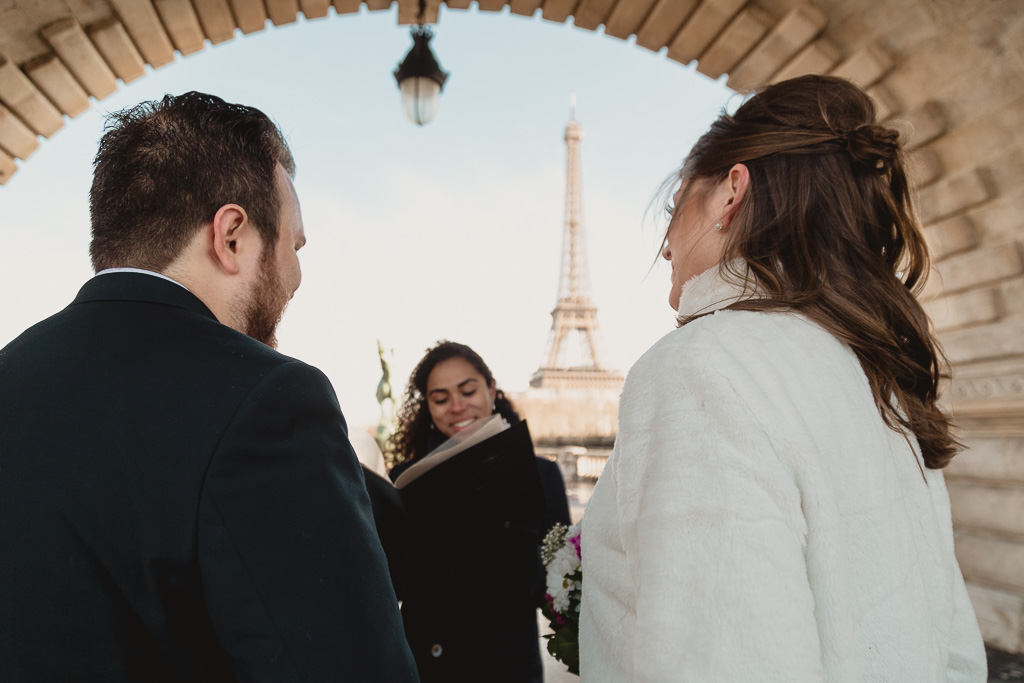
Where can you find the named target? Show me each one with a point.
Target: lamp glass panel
(419, 99)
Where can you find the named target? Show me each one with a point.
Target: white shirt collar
(143, 272)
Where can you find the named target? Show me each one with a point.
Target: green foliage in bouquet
(564, 643)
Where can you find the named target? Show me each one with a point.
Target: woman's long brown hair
(828, 228)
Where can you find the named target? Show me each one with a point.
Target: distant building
(572, 402)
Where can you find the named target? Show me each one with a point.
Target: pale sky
(452, 230)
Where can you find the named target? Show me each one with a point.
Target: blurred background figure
(368, 452)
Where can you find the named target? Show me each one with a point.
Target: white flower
(560, 601)
(563, 564)
(554, 540)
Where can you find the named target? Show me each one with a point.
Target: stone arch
(950, 73)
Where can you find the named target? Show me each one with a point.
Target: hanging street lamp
(420, 78)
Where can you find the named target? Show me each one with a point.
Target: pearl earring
(719, 226)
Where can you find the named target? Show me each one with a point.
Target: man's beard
(266, 302)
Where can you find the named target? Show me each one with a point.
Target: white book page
(460, 441)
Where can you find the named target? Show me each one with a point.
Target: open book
(460, 441)
(481, 484)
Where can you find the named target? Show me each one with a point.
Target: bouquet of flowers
(560, 553)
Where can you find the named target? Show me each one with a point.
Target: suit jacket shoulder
(184, 501)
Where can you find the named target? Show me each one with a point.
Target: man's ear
(736, 189)
(230, 228)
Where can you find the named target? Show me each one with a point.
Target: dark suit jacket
(556, 505)
(179, 502)
(471, 589)
(556, 511)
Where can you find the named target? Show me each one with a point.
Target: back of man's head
(165, 167)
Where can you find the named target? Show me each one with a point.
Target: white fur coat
(757, 521)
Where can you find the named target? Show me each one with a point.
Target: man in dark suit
(178, 501)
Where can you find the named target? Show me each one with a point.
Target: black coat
(180, 503)
(470, 596)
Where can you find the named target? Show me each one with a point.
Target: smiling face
(693, 243)
(458, 395)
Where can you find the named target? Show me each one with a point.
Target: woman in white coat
(774, 508)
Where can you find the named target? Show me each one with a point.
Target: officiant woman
(469, 601)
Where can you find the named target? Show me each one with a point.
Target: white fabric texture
(757, 521)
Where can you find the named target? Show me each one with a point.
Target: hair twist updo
(872, 147)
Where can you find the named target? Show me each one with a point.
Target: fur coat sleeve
(715, 534)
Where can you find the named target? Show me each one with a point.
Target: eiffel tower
(572, 359)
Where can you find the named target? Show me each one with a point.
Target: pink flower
(574, 541)
(560, 620)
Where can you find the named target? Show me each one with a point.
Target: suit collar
(140, 287)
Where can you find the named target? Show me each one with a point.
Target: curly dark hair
(828, 229)
(410, 438)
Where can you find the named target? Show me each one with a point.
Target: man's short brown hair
(165, 167)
